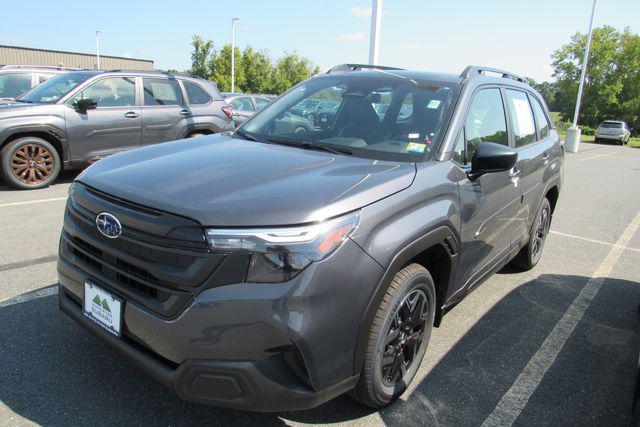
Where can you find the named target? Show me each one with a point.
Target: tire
(29, 163)
(379, 384)
(529, 255)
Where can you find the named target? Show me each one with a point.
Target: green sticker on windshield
(416, 147)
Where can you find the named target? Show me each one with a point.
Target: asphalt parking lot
(556, 345)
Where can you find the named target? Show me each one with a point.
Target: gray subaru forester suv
(79, 117)
(274, 270)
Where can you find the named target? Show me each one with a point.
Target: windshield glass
(55, 88)
(380, 117)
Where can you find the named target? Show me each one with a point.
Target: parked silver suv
(17, 79)
(76, 118)
(613, 130)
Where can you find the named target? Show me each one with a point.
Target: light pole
(573, 133)
(233, 54)
(98, 50)
(374, 36)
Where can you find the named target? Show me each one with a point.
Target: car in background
(613, 130)
(76, 118)
(245, 105)
(306, 108)
(17, 79)
(323, 105)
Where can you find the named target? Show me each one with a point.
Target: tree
(612, 84)
(254, 71)
(201, 57)
(290, 70)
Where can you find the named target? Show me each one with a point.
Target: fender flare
(55, 132)
(432, 238)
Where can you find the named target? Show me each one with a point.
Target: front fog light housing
(279, 254)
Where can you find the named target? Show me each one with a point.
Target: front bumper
(265, 385)
(263, 347)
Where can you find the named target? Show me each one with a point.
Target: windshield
(380, 117)
(611, 125)
(55, 88)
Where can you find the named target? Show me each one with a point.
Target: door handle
(185, 112)
(515, 172)
(131, 115)
(545, 158)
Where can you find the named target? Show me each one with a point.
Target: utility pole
(573, 133)
(233, 54)
(98, 49)
(374, 36)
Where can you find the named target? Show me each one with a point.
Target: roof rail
(473, 70)
(46, 67)
(355, 67)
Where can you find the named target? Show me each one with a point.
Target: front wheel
(398, 337)
(529, 256)
(29, 163)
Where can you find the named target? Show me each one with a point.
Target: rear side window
(243, 104)
(14, 84)
(485, 121)
(162, 92)
(196, 94)
(261, 102)
(541, 119)
(524, 129)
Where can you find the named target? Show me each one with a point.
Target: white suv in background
(17, 79)
(613, 130)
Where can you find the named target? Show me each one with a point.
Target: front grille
(147, 264)
(98, 261)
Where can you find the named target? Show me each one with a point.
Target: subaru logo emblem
(108, 225)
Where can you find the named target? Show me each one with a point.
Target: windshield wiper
(245, 135)
(308, 145)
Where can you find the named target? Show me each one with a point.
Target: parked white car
(613, 130)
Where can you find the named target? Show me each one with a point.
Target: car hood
(223, 181)
(12, 108)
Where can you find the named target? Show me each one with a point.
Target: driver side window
(486, 122)
(109, 92)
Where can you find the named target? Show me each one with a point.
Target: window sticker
(523, 117)
(416, 147)
(433, 104)
(414, 135)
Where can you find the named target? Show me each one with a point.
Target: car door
(533, 144)
(489, 203)
(243, 108)
(165, 115)
(114, 125)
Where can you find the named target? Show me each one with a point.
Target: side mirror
(490, 157)
(85, 104)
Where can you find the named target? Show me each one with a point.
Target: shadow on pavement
(55, 373)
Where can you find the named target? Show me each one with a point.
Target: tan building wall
(14, 55)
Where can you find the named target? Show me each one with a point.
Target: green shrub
(587, 130)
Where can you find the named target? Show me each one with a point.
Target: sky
(516, 35)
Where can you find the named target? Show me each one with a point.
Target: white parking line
(586, 239)
(29, 202)
(596, 156)
(40, 293)
(515, 399)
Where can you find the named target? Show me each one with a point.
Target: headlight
(279, 254)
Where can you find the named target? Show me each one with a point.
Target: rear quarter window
(195, 93)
